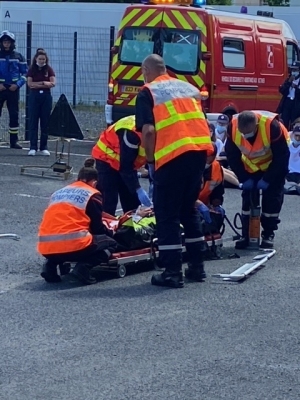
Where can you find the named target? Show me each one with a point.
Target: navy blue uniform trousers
(176, 188)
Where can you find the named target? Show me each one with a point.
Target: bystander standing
(40, 79)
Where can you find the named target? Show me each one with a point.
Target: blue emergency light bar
(199, 3)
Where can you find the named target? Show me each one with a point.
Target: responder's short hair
(155, 63)
(246, 118)
(88, 172)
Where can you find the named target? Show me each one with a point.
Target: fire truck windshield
(180, 49)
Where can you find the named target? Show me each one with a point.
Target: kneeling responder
(212, 192)
(119, 155)
(258, 153)
(72, 230)
(176, 138)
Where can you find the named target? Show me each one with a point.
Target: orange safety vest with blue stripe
(256, 157)
(65, 224)
(180, 123)
(107, 148)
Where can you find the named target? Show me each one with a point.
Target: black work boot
(14, 142)
(243, 243)
(64, 268)
(195, 272)
(169, 279)
(82, 272)
(16, 146)
(267, 241)
(49, 272)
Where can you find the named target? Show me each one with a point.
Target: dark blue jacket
(13, 68)
(129, 150)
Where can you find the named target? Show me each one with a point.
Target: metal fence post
(111, 45)
(74, 69)
(28, 59)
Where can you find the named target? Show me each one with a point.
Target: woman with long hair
(40, 79)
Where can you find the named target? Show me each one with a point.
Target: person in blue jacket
(13, 70)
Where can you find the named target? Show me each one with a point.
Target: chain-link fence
(80, 59)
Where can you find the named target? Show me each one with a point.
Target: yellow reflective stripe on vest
(259, 159)
(125, 123)
(238, 138)
(141, 152)
(265, 166)
(252, 163)
(109, 152)
(263, 130)
(180, 143)
(64, 236)
(175, 117)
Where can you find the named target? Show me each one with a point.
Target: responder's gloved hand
(205, 213)
(248, 185)
(220, 210)
(262, 185)
(143, 197)
(151, 171)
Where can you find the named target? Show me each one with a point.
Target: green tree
(277, 3)
(219, 2)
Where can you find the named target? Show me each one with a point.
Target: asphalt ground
(125, 339)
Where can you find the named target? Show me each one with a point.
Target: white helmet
(8, 34)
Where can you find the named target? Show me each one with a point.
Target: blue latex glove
(248, 185)
(143, 197)
(205, 213)
(262, 185)
(220, 210)
(151, 171)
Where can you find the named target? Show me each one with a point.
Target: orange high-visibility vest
(216, 179)
(65, 224)
(180, 123)
(256, 157)
(107, 148)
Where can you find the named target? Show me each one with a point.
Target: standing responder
(13, 70)
(289, 106)
(119, 155)
(258, 153)
(176, 139)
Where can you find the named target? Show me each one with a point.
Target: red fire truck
(239, 59)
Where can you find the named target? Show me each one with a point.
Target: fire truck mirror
(206, 55)
(114, 50)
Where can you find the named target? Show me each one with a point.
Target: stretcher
(119, 262)
(245, 270)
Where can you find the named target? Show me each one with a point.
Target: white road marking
(71, 154)
(10, 165)
(19, 165)
(31, 195)
(37, 154)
